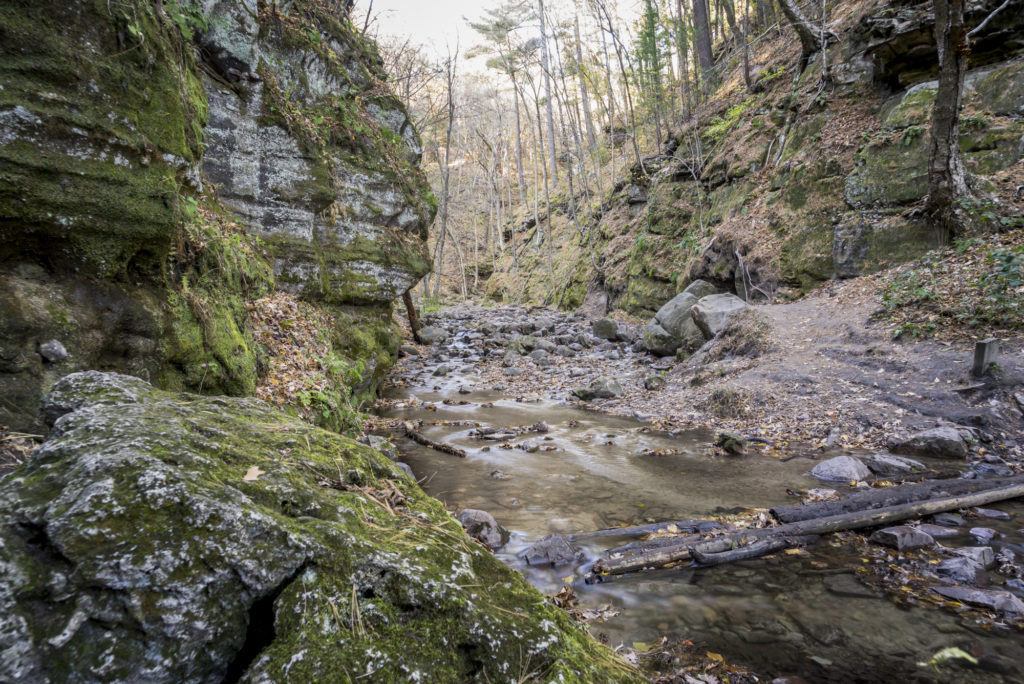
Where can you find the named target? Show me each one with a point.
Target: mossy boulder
(1001, 90)
(177, 538)
(806, 256)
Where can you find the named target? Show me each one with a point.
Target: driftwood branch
(637, 530)
(823, 525)
(443, 447)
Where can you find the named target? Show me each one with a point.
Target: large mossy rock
(175, 538)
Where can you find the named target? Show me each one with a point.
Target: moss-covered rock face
(112, 240)
(175, 538)
(311, 150)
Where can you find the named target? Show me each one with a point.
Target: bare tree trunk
(611, 103)
(684, 62)
(810, 37)
(746, 45)
(730, 17)
(414, 319)
(450, 67)
(519, 147)
(947, 180)
(702, 29)
(547, 91)
(584, 96)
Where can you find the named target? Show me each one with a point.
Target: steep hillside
(165, 163)
(770, 191)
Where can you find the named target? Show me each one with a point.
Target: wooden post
(985, 354)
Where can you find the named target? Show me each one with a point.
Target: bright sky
(429, 22)
(433, 22)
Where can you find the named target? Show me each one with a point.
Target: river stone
(982, 555)
(991, 513)
(713, 312)
(902, 538)
(482, 526)
(848, 585)
(841, 469)
(605, 329)
(601, 388)
(889, 464)
(658, 341)
(940, 442)
(53, 351)
(700, 288)
(142, 540)
(545, 345)
(551, 549)
(654, 382)
(1001, 601)
(963, 571)
(676, 310)
(937, 531)
(948, 519)
(404, 467)
(431, 334)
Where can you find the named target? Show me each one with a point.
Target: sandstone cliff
(161, 164)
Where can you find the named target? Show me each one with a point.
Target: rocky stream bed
(569, 425)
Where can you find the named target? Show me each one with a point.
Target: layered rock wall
(163, 163)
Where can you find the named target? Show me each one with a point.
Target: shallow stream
(804, 614)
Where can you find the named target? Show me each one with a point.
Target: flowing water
(804, 614)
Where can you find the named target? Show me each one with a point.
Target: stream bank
(557, 464)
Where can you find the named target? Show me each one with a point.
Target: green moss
(806, 257)
(389, 589)
(102, 125)
(914, 109)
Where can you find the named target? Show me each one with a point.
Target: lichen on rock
(177, 538)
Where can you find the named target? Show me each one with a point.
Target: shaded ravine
(804, 614)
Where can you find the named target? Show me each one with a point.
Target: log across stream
(781, 614)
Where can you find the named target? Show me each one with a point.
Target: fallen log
(823, 525)
(639, 547)
(889, 496)
(637, 530)
(760, 548)
(443, 447)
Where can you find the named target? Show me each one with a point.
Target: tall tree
(702, 36)
(547, 90)
(650, 58)
(812, 39)
(584, 95)
(450, 66)
(497, 27)
(947, 179)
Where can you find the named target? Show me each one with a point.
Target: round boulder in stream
(602, 388)
(431, 334)
(482, 526)
(841, 469)
(164, 537)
